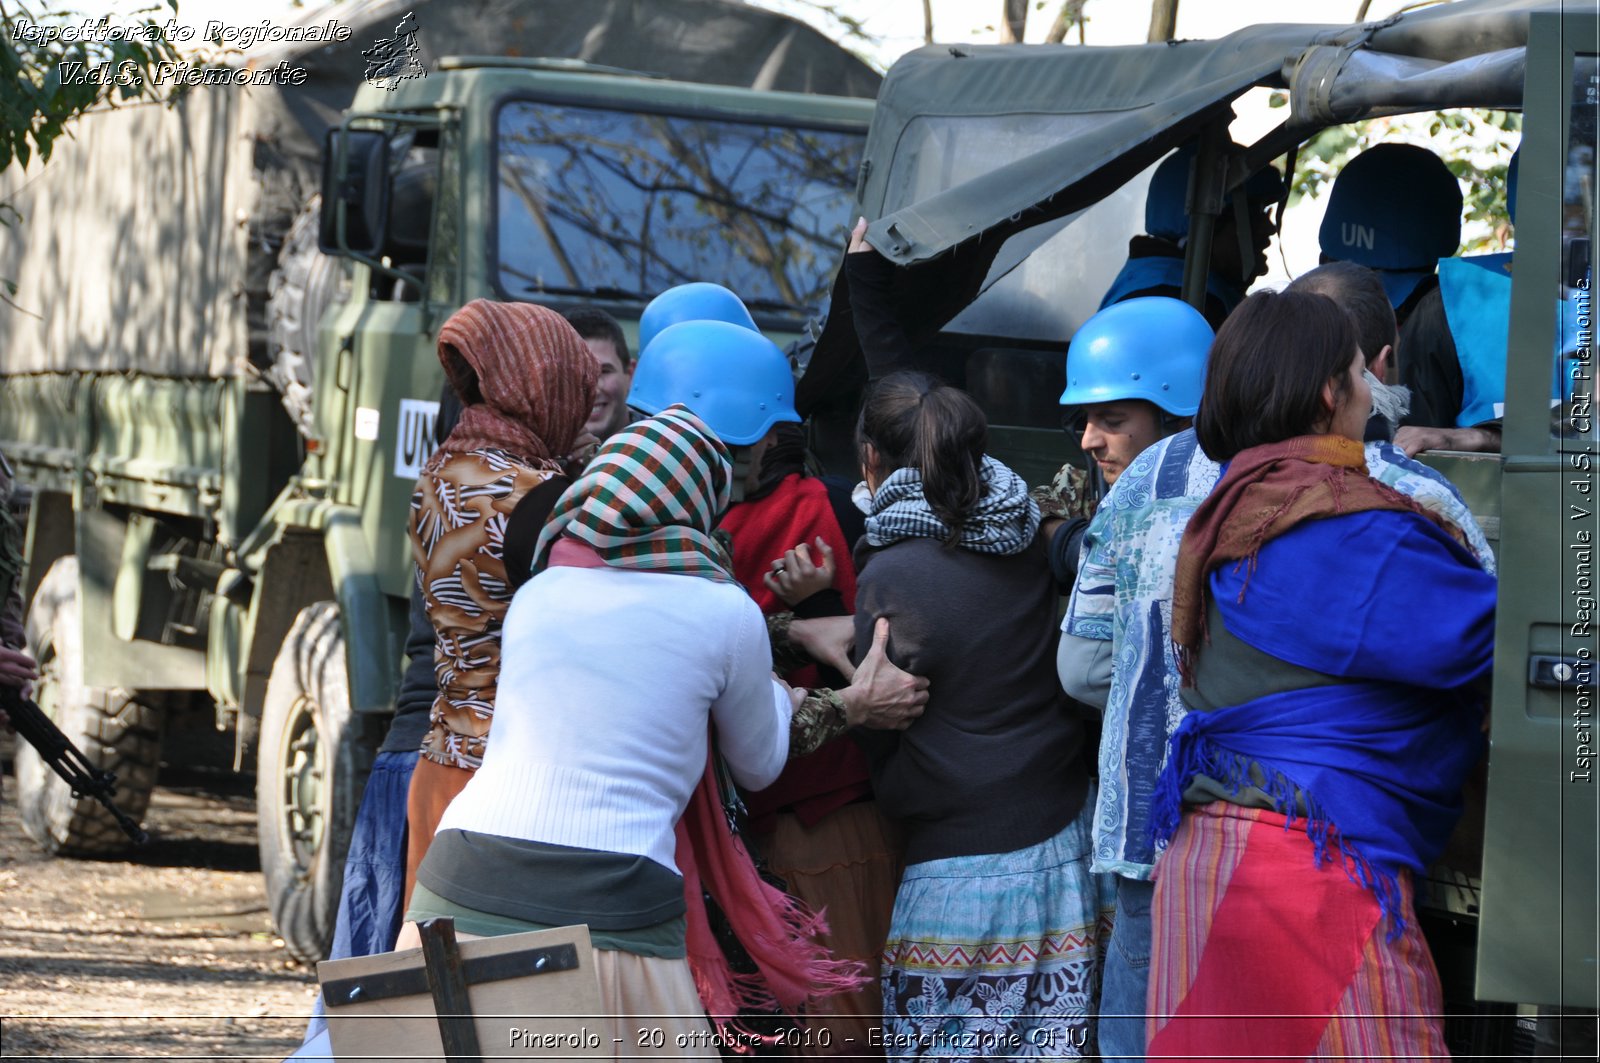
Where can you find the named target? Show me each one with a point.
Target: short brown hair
(1267, 368)
(592, 323)
(1360, 291)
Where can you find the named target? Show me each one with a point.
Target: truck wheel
(312, 763)
(119, 731)
(298, 291)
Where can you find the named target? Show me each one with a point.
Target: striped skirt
(998, 957)
(1256, 951)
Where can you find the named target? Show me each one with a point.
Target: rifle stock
(66, 759)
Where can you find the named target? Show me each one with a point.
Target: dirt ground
(166, 952)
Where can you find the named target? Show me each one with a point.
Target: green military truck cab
(1002, 181)
(218, 535)
(569, 188)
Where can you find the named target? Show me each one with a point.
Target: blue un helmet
(1152, 348)
(733, 378)
(1164, 203)
(1395, 208)
(700, 301)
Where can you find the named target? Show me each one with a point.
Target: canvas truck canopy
(163, 266)
(1052, 130)
(130, 249)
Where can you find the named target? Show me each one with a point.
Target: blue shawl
(1401, 611)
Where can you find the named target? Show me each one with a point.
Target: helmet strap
(1245, 234)
(741, 471)
(1171, 423)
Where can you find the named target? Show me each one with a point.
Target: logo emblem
(395, 59)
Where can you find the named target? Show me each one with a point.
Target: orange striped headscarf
(533, 372)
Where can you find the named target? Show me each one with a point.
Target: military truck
(222, 426)
(990, 173)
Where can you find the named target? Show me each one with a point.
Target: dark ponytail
(913, 420)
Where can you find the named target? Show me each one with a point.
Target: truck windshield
(624, 204)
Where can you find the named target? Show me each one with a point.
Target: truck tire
(118, 730)
(312, 763)
(298, 291)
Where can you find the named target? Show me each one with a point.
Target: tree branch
(1071, 14)
(1013, 21)
(1163, 20)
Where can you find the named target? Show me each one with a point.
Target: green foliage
(1462, 138)
(36, 103)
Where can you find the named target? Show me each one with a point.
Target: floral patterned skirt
(998, 956)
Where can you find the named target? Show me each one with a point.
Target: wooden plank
(538, 1016)
(447, 984)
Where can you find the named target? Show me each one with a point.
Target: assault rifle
(57, 750)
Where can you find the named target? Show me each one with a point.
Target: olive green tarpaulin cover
(1123, 108)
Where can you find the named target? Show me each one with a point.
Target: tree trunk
(1071, 14)
(1014, 21)
(927, 21)
(1163, 20)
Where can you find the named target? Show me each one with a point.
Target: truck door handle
(341, 368)
(1561, 673)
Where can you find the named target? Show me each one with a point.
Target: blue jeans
(374, 871)
(375, 866)
(1127, 974)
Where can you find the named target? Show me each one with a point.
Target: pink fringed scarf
(776, 930)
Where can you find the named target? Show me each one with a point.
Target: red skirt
(433, 787)
(1256, 952)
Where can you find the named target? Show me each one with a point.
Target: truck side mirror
(361, 184)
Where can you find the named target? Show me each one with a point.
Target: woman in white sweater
(631, 637)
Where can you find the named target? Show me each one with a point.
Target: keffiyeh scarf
(1003, 522)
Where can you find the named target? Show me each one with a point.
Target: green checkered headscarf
(649, 500)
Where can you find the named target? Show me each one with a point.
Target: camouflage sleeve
(1066, 496)
(12, 633)
(819, 719)
(786, 656)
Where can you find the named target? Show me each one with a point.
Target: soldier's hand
(881, 695)
(17, 669)
(584, 448)
(1414, 439)
(797, 695)
(858, 238)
